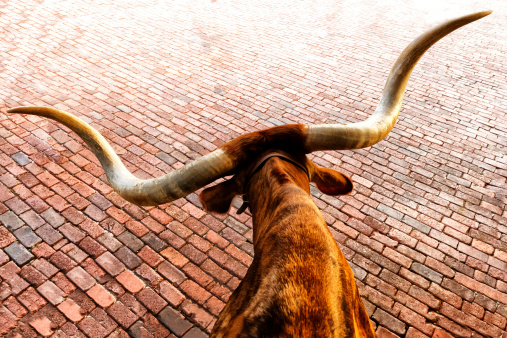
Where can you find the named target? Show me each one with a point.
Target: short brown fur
(299, 283)
(245, 147)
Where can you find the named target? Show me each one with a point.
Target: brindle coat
(299, 283)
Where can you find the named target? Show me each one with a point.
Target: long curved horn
(160, 190)
(226, 159)
(379, 124)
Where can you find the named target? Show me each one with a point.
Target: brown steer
(299, 283)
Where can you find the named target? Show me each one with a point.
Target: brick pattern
(425, 229)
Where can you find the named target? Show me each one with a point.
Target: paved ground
(166, 82)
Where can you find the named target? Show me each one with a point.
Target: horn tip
(14, 110)
(480, 15)
(25, 109)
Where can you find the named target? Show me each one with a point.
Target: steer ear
(218, 198)
(331, 182)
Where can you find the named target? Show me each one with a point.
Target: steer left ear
(218, 198)
(331, 182)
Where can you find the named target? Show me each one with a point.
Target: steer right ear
(218, 198)
(331, 182)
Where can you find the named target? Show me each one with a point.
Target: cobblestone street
(165, 82)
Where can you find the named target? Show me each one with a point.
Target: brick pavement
(425, 230)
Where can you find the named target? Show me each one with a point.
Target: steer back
(299, 283)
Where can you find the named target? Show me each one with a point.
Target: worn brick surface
(425, 229)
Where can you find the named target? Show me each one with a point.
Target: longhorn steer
(299, 283)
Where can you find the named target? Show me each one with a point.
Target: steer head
(301, 170)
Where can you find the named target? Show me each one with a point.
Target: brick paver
(425, 229)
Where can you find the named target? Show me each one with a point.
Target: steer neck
(284, 186)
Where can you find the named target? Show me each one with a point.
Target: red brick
(213, 223)
(37, 204)
(7, 320)
(75, 217)
(110, 263)
(383, 318)
(151, 300)
(171, 294)
(43, 250)
(196, 226)
(92, 228)
(136, 228)
(92, 328)
(42, 192)
(380, 285)
(15, 307)
(130, 281)
(51, 292)
(48, 179)
(200, 243)
(133, 304)
(118, 215)
(42, 325)
(150, 256)
(148, 274)
(3, 258)
(71, 310)
(240, 255)
(154, 225)
(91, 247)
(160, 216)
(201, 316)
(214, 305)
(63, 283)
(194, 291)
(77, 201)
(216, 271)
(151, 324)
(473, 309)
(172, 273)
(397, 257)
(115, 288)
(385, 333)
(197, 274)
(22, 192)
(57, 202)
(122, 314)
(174, 257)
(439, 267)
(32, 275)
(414, 333)
(216, 239)
(101, 296)
(495, 319)
(416, 279)
(62, 261)
(32, 300)
(416, 320)
(172, 239)
(93, 269)
(104, 319)
(6, 238)
(81, 278)
(439, 333)
(94, 213)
